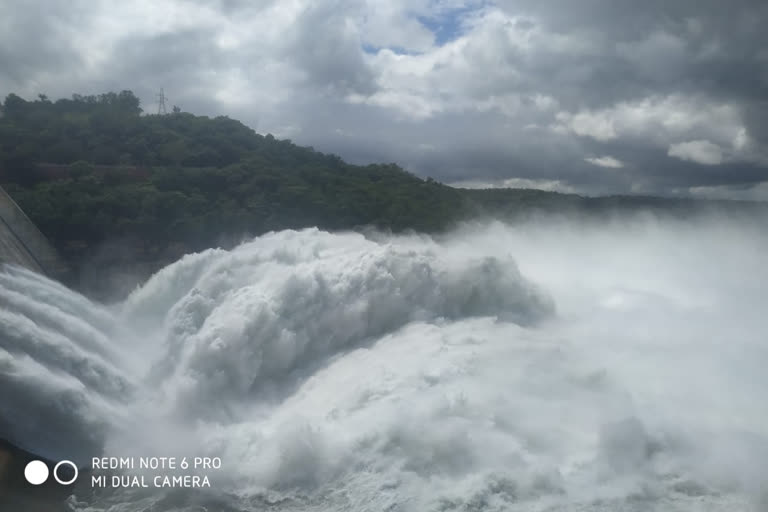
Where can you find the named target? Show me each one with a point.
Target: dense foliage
(113, 188)
(109, 129)
(93, 170)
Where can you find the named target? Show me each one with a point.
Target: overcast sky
(592, 96)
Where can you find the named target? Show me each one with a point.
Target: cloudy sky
(592, 96)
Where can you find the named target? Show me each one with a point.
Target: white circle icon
(36, 472)
(56, 472)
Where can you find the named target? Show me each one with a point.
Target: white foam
(333, 371)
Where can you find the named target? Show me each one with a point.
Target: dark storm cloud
(595, 96)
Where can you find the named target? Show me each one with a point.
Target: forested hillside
(98, 177)
(116, 190)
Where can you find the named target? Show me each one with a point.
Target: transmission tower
(161, 103)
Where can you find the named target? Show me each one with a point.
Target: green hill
(114, 188)
(118, 191)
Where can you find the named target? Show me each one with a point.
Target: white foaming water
(545, 366)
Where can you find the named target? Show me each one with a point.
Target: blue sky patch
(447, 25)
(399, 50)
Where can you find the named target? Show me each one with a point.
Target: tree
(14, 106)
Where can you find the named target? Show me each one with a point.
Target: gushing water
(543, 366)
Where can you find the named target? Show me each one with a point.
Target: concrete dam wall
(21, 243)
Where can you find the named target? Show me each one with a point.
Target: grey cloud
(637, 50)
(658, 46)
(325, 46)
(481, 119)
(179, 62)
(34, 40)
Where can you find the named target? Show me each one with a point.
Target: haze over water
(549, 365)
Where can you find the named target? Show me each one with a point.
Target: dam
(22, 244)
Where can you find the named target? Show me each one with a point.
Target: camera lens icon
(37, 472)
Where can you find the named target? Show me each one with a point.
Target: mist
(552, 364)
